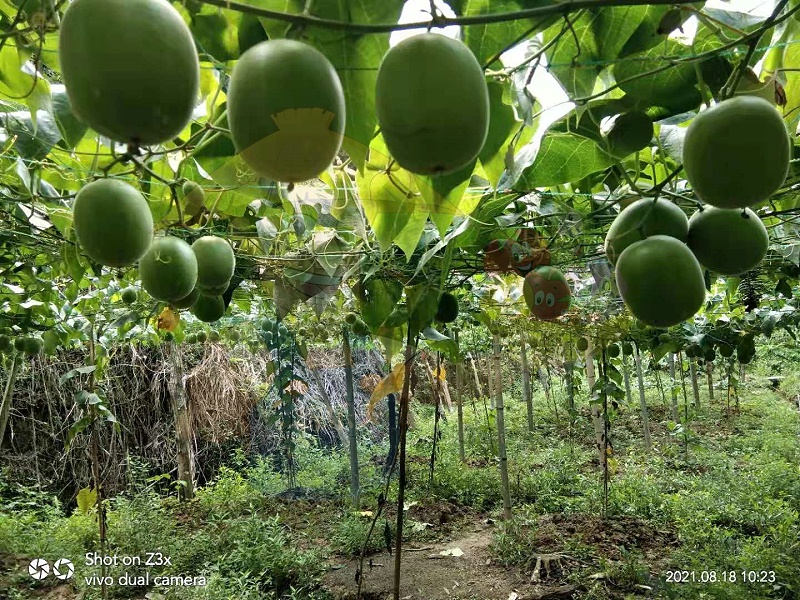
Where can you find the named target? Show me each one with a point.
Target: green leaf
(87, 498)
(75, 372)
(34, 140)
(673, 87)
(390, 198)
(573, 58)
(440, 343)
(443, 195)
(487, 41)
(215, 31)
(71, 129)
(423, 302)
(564, 158)
(78, 428)
(502, 125)
(17, 85)
(613, 27)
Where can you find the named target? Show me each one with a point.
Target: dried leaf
(168, 319)
(391, 384)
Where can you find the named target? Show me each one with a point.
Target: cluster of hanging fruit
(735, 156)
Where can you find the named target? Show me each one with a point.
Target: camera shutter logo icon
(39, 569)
(63, 569)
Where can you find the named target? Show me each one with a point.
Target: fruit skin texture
(641, 220)
(169, 269)
(187, 301)
(448, 308)
(286, 110)
(209, 308)
(432, 104)
(630, 132)
(130, 68)
(726, 241)
(736, 154)
(215, 262)
(112, 222)
(547, 293)
(660, 281)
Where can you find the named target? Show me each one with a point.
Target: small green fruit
(129, 295)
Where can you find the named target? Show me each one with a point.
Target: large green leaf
(574, 58)
(502, 124)
(488, 41)
(613, 26)
(564, 158)
(355, 57)
(443, 195)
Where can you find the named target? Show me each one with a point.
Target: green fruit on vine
(209, 308)
(736, 153)
(660, 281)
(129, 295)
(709, 355)
(613, 350)
(215, 262)
(303, 332)
(268, 338)
(216, 290)
(169, 269)
(286, 110)
(234, 335)
(642, 219)
(630, 132)
(213, 335)
(187, 301)
(582, 344)
(202, 337)
(350, 318)
(448, 308)
(130, 68)
(728, 241)
(432, 104)
(664, 338)
(32, 346)
(726, 350)
(693, 351)
(169, 336)
(190, 339)
(627, 349)
(5, 343)
(112, 222)
(19, 344)
(194, 197)
(360, 328)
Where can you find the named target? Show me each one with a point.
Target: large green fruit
(582, 344)
(215, 262)
(169, 269)
(642, 219)
(112, 222)
(448, 308)
(729, 241)
(130, 68)
(737, 153)
(286, 110)
(726, 350)
(630, 132)
(209, 308)
(613, 350)
(186, 301)
(627, 348)
(5, 343)
(660, 281)
(432, 104)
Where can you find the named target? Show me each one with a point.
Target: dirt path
(458, 569)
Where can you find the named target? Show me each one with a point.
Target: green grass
(725, 487)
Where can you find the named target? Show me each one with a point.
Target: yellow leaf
(390, 384)
(168, 319)
(366, 513)
(441, 373)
